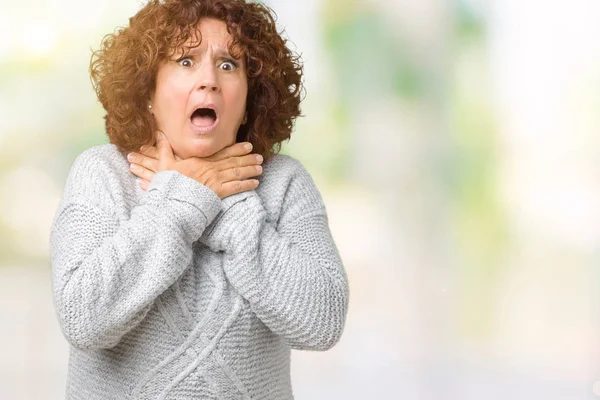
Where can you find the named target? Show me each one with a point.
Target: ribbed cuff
(199, 200)
(229, 201)
(236, 211)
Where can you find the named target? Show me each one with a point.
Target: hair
(123, 71)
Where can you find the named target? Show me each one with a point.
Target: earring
(149, 106)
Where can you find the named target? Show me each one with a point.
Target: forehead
(213, 32)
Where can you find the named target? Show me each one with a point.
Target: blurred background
(456, 145)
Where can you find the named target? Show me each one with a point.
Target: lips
(204, 119)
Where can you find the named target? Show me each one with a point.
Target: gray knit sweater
(175, 294)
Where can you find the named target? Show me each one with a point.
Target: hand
(225, 172)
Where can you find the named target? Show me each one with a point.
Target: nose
(207, 78)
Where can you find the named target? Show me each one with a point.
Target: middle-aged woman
(190, 270)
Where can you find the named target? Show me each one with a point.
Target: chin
(202, 149)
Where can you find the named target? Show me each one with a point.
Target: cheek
(238, 99)
(169, 96)
(170, 93)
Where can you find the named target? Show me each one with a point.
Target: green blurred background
(456, 145)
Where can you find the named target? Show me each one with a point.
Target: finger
(150, 151)
(235, 150)
(145, 161)
(239, 173)
(164, 147)
(243, 161)
(141, 172)
(234, 187)
(143, 184)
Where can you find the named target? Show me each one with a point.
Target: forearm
(106, 273)
(294, 279)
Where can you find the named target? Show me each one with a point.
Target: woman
(191, 272)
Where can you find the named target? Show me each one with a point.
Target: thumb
(165, 152)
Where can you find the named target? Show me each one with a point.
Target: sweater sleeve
(290, 272)
(106, 273)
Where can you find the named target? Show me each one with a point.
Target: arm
(106, 273)
(291, 274)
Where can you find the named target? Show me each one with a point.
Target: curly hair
(123, 71)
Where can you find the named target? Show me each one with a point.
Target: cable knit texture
(175, 294)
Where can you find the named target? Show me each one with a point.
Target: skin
(225, 173)
(207, 74)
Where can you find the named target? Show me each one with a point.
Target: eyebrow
(220, 52)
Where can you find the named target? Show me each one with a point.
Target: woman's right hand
(225, 172)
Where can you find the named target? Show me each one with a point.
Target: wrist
(235, 210)
(195, 205)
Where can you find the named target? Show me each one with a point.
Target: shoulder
(286, 187)
(101, 156)
(286, 168)
(96, 172)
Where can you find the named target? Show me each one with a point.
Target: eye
(185, 62)
(228, 65)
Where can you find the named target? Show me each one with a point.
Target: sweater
(173, 293)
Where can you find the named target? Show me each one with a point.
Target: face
(200, 97)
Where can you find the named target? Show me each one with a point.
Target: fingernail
(133, 167)
(248, 146)
(258, 168)
(130, 157)
(259, 158)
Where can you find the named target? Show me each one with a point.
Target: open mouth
(204, 117)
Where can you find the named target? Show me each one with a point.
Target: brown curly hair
(123, 71)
